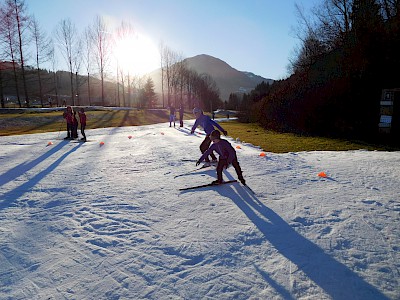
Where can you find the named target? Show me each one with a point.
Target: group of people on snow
(211, 143)
(72, 123)
(172, 111)
(227, 154)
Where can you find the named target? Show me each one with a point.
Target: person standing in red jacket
(68, 116)
(82, 120)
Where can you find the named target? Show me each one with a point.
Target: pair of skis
(213, 184)
(206, 185)
(209, 184)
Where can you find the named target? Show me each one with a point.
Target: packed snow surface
(105, 220)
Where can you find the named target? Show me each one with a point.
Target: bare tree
(66, 34)
(55, 77)
(123, 35)
(190, 82)
(87, 49)
(161, 51)
(327, 27)
(102, 41)
(77, 66)
(168, 59)
(178, 78)
(12, 23)
(22, 21)
(334, 21)
(311, 49)
(2, 67)
(8, 40)
(207, 91)
(170, 71)
(43, 49)
(390, 8)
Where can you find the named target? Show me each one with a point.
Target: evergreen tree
(149, 96)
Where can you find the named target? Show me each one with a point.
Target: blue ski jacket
(207, 123)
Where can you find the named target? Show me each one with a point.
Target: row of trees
(24, 44)
(89, 56)
(181, 85)
(348, 54)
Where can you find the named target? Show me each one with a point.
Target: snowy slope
(92, 221)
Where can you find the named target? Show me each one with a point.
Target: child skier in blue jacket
(209, 126)
(227, 156)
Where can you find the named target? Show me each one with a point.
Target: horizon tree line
(24, 44)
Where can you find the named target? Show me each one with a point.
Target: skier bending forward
(227, 156)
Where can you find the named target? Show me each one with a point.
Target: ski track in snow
(92, 221)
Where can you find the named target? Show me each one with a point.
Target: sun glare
(137, 55)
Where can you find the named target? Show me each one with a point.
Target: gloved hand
(225, 132)
(197, 163)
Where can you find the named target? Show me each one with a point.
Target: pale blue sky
(250, 35)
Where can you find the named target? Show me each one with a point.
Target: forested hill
(338, 76)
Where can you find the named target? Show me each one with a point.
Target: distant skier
(181, 111)
(227, 156)
(209, 126)
(68, 116)
(171, 115)
(82, 120)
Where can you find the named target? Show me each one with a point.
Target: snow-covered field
(105, 220)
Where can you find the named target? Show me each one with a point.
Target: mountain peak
(228, 79)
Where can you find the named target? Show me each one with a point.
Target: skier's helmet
(215, 135)
(197, 110)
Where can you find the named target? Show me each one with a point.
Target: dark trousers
(74, 131)
(83, 131)
(204, 146)
(69, 130)
(222, 163)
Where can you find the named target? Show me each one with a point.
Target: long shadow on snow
(333, 277)
(19, 170)
(11, 196)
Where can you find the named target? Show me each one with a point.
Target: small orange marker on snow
(49, 143)
(129, 136)
(238, 147)
(322, 174)
(101, 143)
(262, 154)
(162, 133)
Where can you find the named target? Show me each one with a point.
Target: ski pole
(61, 124)
(191, 172)
(249, 189)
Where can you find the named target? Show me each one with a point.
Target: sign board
(387, 109)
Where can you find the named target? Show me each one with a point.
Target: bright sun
(137, 55)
